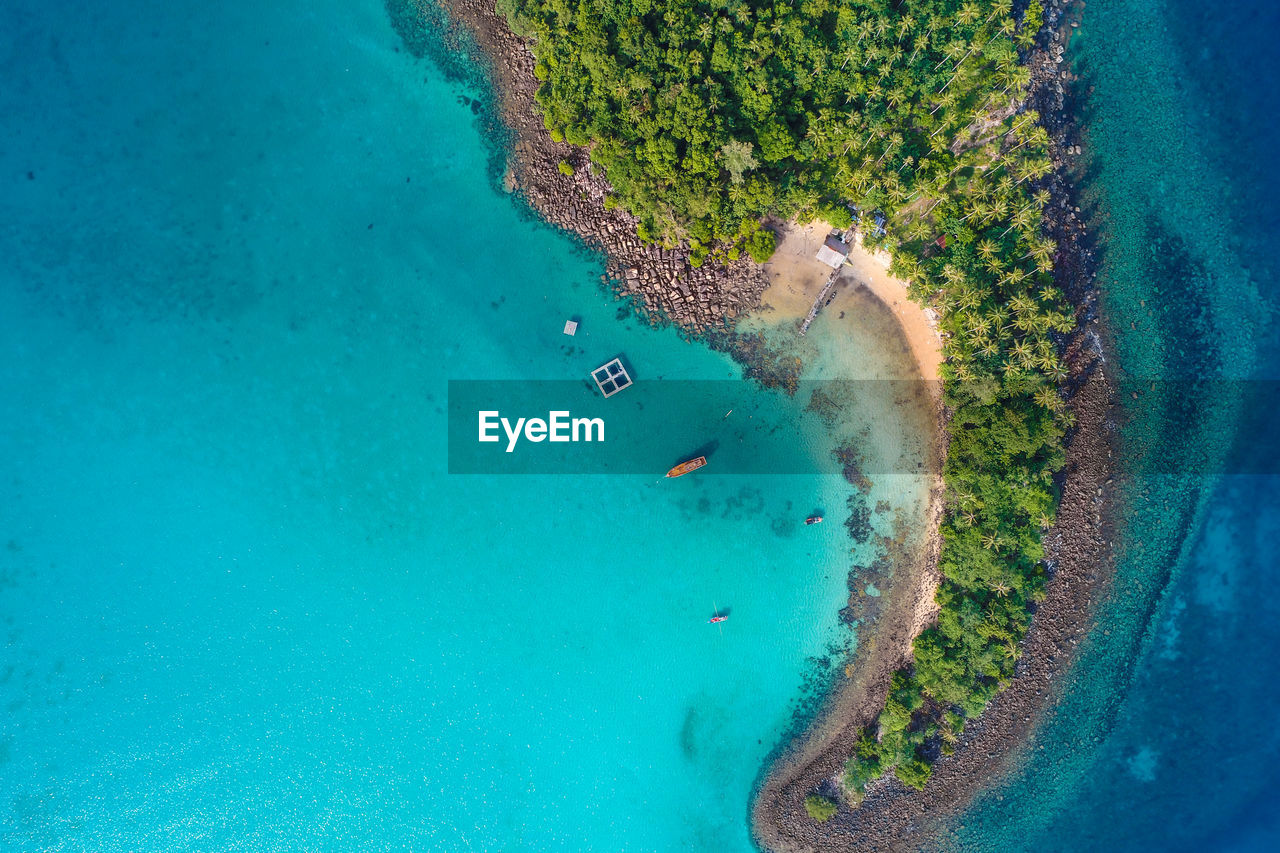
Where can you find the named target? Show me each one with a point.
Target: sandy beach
(796, 278)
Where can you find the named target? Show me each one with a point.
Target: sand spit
(796, 279)
(892, 817)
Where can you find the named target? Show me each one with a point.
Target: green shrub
(914, 772)
(760, 245)
(859, 771)
(565, 168)
(820, 808)
(837, 215)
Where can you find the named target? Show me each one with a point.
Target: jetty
(823, 298)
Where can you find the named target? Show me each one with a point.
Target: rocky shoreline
(660, 282)
(705, 300)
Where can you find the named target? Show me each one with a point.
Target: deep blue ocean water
(243, 249)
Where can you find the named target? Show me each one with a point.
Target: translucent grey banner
(856, 428)
(647, 427)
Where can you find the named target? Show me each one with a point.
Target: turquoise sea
(243, 251)
(245, 606)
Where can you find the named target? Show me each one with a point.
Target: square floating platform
(570, 327)
(611, 377)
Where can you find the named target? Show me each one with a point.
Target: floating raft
(611, 377)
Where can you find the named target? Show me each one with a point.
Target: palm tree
(1024, 322)
(1000, 7)
(969, 298)
(1022, 304)
(1048, 398)
(952, 51)
(1024, 220)
(1040, 247)
(1062, 321)
(977, 208)
(905, 25)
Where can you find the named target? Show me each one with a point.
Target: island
(687, 141)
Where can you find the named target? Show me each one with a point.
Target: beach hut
(833, 252)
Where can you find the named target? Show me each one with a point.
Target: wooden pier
(820, 301)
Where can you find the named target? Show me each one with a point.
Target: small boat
(687, 466)
(714, 619)
(813, 519)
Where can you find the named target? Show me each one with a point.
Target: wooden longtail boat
(687, 466)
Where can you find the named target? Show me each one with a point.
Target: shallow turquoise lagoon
(243, 250)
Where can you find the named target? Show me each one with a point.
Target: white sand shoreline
(796, 277)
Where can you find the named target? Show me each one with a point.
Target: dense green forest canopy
(709, 116)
